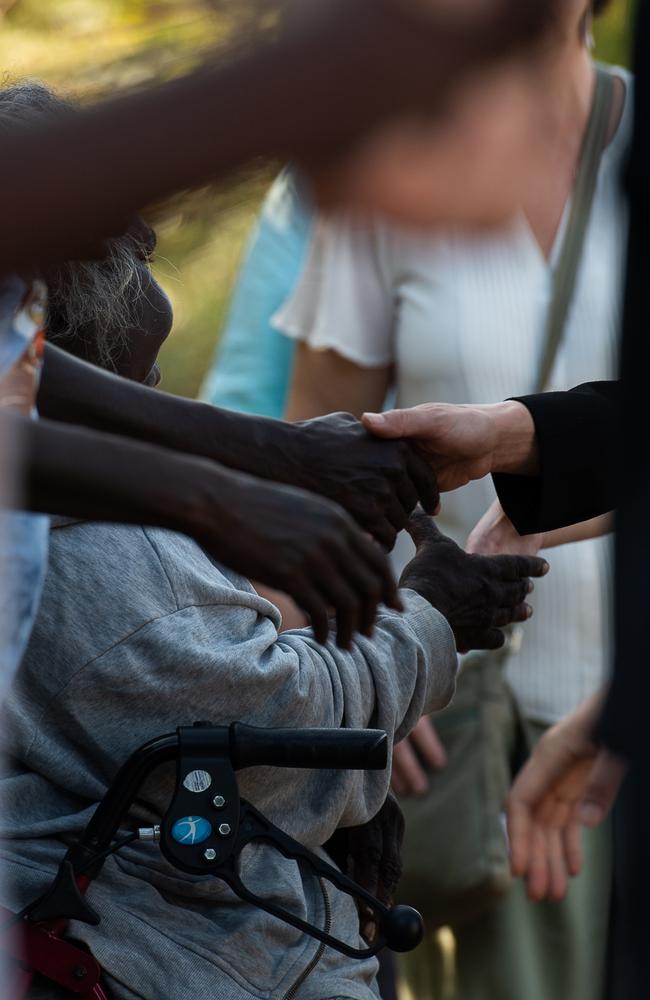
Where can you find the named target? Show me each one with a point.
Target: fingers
(514, 568)
(383, 531)
(429, 745)
(424, 481)
(519, 834)
(369, 587)
(354, 586)
(397, 515)
(421, 527)
(547, 874)
(408, 495)
(603, 785)
(572, 836)
(348, 612)
(376, 559)
(342, 596)
(479, 638)
(557, 873)
(508, 616)
(537, 877)
(511, 595)
(313, 604)
(409, 777)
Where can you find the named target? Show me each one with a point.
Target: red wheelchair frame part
(39, 949)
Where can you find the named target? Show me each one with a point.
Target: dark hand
(378, 482)
(372, 855)
(478, 595)
(300, 544)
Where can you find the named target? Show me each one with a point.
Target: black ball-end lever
(403, 928)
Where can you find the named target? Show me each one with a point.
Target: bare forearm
(74, 392)
(324, 381)
(581, 532)
(81, 473)
(332, 456)
(298, 96)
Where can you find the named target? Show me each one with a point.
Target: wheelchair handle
(351, 749)
(244, 746)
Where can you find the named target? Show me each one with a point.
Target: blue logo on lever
(191, 830)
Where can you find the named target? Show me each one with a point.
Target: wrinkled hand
(567, 783)
(495, 534)
(478, 595)
(372, 856)
(420, 753)
(463, 442)
(378, 482)
(298, 543)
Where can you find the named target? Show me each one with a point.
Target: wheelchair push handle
(350, 749)
(243, 746)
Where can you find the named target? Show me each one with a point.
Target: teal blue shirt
(252, 367)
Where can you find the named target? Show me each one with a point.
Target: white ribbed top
(462, 317)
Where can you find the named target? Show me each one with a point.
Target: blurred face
(476, 166)
(471, 168)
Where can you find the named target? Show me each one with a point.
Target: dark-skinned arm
(286, 538)
(310, 92)
(377, 482)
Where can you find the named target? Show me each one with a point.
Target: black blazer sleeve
(576, 436)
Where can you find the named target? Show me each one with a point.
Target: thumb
(421, 527)
(388, 425)
(398, 423)
(602, 788)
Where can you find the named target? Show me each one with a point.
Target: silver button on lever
(151, 834)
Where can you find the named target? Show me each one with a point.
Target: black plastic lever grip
(350, 749)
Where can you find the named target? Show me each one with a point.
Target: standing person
(456, 318)
(251, 370)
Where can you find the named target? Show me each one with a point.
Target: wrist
(515, 449)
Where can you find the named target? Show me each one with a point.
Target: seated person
(140, 631)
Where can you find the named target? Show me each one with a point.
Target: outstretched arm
(552, 454)
(297, 96)
(377, 482)
(496, 534)
(287, 538)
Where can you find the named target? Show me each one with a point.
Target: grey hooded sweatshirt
(139, 632)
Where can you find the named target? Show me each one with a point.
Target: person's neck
(570, 81)
(572, 85)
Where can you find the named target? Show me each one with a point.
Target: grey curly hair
(87, 300)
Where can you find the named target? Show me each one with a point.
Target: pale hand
(463, 442)
(495, 534)
(566, 784)
(415, 758)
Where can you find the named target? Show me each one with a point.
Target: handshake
(352, 485)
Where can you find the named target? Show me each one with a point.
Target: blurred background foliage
(88, 49)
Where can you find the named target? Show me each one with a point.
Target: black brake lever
(207, 826)
(399, 928)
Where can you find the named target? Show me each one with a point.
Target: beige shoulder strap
(569, 259)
